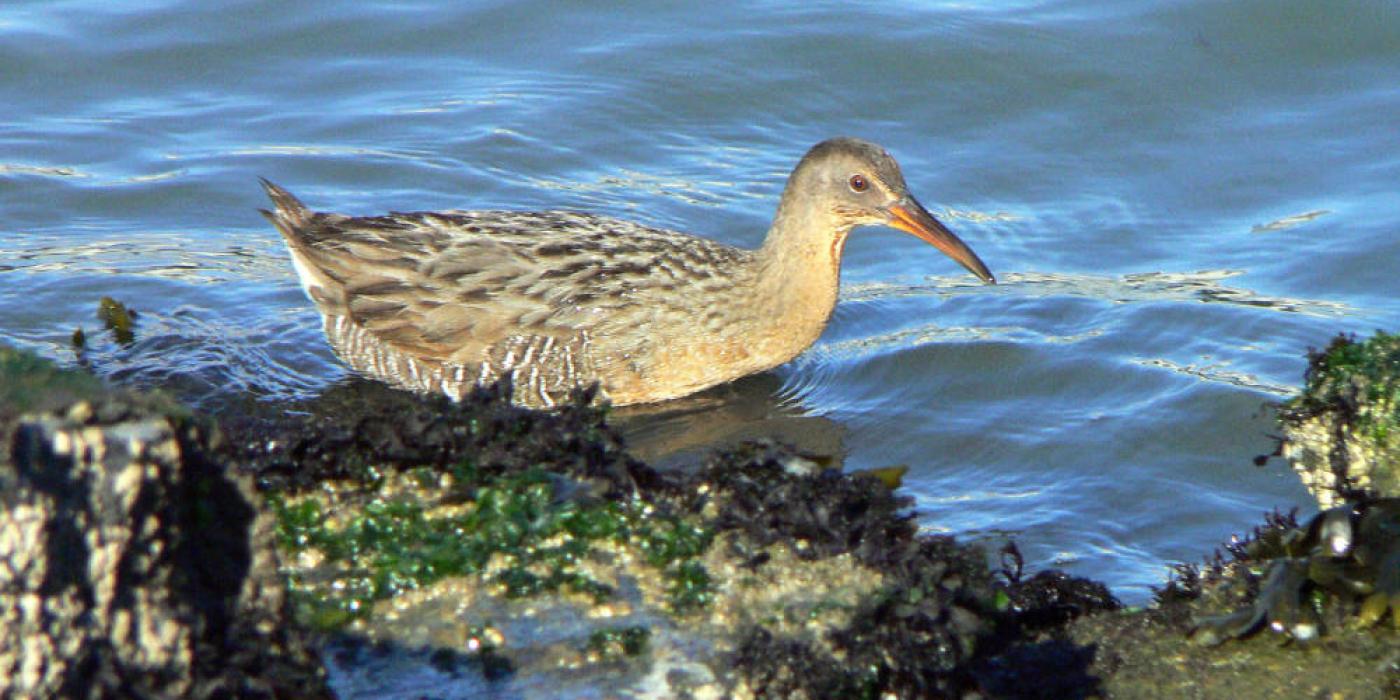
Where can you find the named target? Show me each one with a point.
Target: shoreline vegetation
(156, 551)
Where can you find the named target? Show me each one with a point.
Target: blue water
(1179, 198)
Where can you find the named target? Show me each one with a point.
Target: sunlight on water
(1178, 199)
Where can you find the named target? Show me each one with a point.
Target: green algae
(561, 511)
(29, 383)
(690, 587)
(1362, 378)
(611, 642)
(515, 529)
(1342, 432)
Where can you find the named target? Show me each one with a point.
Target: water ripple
(206, 358)
(1218, 372)
(1202, 286)
(1238, 137)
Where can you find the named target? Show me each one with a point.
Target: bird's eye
(859, 183)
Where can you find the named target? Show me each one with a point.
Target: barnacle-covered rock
(133, 565)
(1342, 433)
(939, 624)
(767, 572)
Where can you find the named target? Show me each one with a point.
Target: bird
(443, 302)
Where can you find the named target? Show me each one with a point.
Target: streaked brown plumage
(437, 302)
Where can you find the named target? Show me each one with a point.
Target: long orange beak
(908, 215)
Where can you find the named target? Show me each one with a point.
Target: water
(1179, 199)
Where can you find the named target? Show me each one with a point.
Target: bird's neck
(799, 270)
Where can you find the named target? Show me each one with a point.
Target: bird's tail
(291, 216)
(294, 221)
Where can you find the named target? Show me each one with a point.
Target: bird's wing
(456, 286)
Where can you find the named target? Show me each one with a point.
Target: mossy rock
(1342, 434)
(519, 533)
(31, 384)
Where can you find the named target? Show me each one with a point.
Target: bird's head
(857, 183)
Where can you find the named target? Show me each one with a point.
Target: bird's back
(440, 301)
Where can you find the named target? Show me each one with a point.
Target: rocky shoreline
(407, 542)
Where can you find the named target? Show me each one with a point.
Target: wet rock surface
(718, 564)
(1289, 610)
(134, 565)
(1341, 568)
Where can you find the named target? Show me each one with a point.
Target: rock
(761, 573)
(1343, 561)
(131, 565)
(1219, 629)
(29, 384)
(1342, 433)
